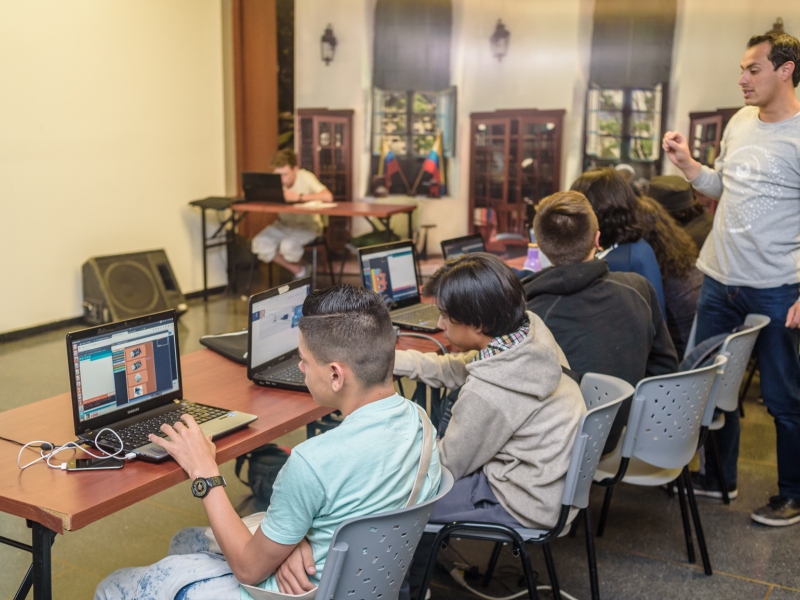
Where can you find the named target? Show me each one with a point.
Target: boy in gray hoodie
(510, 436)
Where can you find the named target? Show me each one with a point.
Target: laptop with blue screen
(391, 270)
(126, 376)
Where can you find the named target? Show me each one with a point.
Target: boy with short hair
(284, 240)
(347, 354)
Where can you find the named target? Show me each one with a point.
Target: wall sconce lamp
(777, 26)
(328, 45)
(499, 40)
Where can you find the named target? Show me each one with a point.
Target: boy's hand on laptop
(293, 573)
(191, 449)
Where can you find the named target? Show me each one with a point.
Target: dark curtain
(632, 42)
(412, 45)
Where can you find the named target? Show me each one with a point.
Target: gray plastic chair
(369, 556)
(737, 347)
(602, 395)
(661, 437)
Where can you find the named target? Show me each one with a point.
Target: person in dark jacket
(676, 254)
(605, 322)
(614, 204)
(676, 195)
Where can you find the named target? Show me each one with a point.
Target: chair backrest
(369, 556)
(738, 347)
(603, 395)
(666, 416)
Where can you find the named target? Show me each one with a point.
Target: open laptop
(262, 187)
(273, 335)
(455, 247)
(391, 270)
(126, 376)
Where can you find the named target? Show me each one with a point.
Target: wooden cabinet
(705, 136)
(515, 161)
(324, 146)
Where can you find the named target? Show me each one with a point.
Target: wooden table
(382, 212)
(54, 501)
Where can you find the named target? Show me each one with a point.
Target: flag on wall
(388, 164)
(434, 164)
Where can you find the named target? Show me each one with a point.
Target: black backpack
(264, 464)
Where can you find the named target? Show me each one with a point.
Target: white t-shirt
(304, 183)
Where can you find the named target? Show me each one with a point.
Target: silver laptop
(273, 335)
(126, 376)
(455, 247)
(391, 270)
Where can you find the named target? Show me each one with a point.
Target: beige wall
(111, 120)
(710, 39)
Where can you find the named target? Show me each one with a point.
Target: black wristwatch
(201, 485)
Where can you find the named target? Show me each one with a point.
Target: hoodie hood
(566, 279)
(506, 369)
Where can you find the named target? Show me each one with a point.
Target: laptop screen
(116, 369)
(275, 323)
(463, 245)
(390, 272)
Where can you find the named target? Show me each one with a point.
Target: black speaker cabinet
(129, 285)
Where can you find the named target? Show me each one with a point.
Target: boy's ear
(337, 374)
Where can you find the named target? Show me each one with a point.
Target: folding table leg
(43, 539)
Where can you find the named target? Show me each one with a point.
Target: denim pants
(719, 310)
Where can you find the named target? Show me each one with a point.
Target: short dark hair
(479, 290)
(350, 325)
(565, 227)
(284, 158)
(614, 203)
(783, 48)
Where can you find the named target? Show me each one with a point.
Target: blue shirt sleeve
(297, 497)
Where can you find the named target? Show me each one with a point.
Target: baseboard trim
(21, 334)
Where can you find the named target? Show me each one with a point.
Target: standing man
(752, 257)
(283, 241)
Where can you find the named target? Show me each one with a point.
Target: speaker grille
(131, 287)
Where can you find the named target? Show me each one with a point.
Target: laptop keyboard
(135, 435)
(427, 312)
(289, 373)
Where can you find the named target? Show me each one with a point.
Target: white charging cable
(47, 455)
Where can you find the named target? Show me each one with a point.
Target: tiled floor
(642, 554)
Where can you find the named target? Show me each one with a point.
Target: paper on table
(315, 204)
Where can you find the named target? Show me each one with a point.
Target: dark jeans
(720, 309)
(471, 499)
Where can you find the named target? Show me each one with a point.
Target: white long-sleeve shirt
(755, 241)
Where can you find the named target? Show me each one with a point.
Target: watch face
(199, 487)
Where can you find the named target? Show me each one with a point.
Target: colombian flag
(433, 163)
(388, 164)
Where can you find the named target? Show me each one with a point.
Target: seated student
(283, 241)
(608, 323)
(347, 353)
(676, 195)
(617, 211)
(510, 436)
(676, 254)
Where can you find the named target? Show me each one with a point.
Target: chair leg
(426, 579)
(551, 571)
(687, 531)
(574, 527)
(590, 555)
(601, 526)
(527, 569)
(723, 484)
(698, 527)
(498, 546)
(250, 275)
(314, 267)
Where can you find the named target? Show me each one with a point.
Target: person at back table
(284, 240)
(617, 212)
(347, 354)
(608, 323)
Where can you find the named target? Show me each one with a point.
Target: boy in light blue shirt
(365, 466)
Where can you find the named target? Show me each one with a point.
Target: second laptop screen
(391, 274)
(275, 323)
